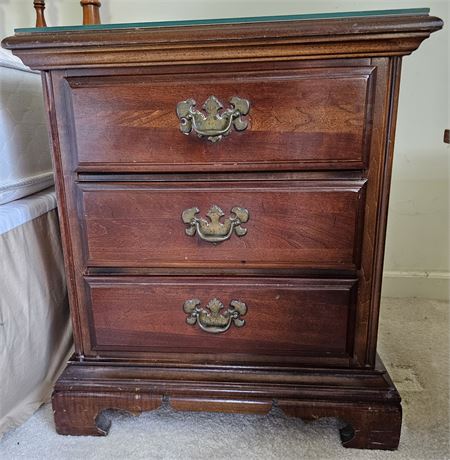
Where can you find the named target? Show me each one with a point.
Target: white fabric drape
(35, 330)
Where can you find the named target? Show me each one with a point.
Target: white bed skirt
(35, 330)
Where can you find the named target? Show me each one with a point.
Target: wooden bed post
(91, 11)
(39, 6)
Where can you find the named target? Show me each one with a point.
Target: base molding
(365, 399)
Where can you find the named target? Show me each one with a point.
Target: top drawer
(298, 119)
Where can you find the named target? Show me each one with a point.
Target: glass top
(198, 22)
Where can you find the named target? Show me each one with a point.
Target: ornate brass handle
(212, 319)
(213, 230)
(213, 125)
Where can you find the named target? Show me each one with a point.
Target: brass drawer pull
(213, 230)
(213, 125)
(211, 319)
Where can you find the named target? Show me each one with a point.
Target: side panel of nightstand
(378, 187)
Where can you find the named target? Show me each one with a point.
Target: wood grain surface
(302, 224)
(351, 37)
(284, 316)
(314, 118)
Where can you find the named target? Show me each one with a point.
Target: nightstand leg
(372, 427)
(78, 413)
(369, 426)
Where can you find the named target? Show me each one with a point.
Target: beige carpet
(414, 343)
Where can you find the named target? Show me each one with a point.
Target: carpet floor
(414, 344)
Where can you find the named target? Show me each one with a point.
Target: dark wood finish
(310, 118)
(220, 405)
(291, 224)
(313, 168)
(91, 11)
(253, 42)
(288, 317)
(365, 399)
(372, 264)
(370, 426)
(447, 136)
(76, 414)
(218, 178)
(39, 6)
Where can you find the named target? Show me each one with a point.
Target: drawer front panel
(283, 224)
(283, 317)
(315, 118)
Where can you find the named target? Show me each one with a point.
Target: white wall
(417, 251)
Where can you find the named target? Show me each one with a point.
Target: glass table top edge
(224, 21)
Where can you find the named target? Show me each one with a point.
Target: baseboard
(422, 284)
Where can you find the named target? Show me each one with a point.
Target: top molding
(356, 36)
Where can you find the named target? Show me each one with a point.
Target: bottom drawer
(226, 319)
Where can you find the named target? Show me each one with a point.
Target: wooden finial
(39, 6)
(91, 11)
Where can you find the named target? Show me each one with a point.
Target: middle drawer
(274, 224)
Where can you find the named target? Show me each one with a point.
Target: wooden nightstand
(223, 193)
